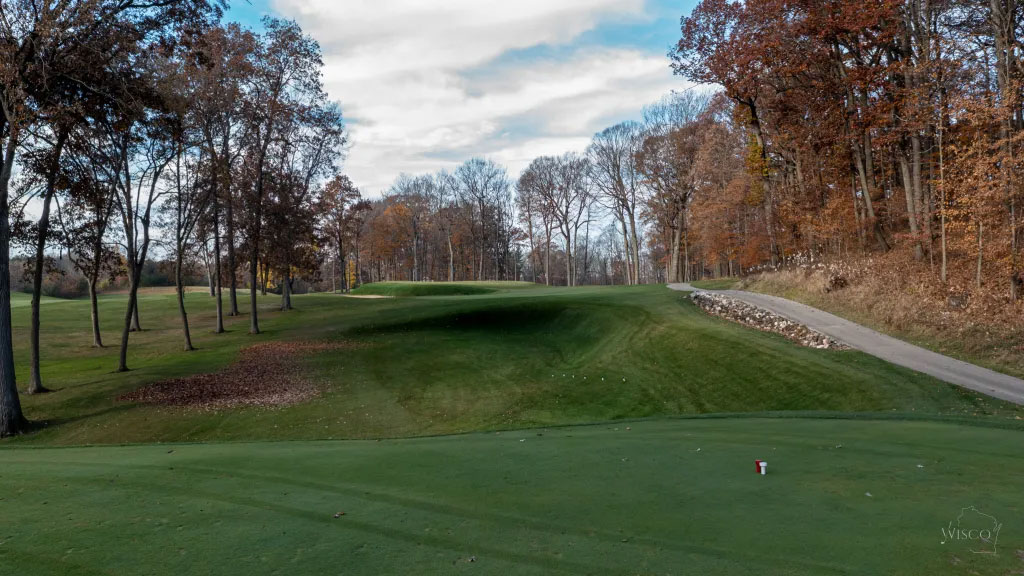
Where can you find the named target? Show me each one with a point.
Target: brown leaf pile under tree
(264, 375)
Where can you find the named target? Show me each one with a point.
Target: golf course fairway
(674, 496)
(508, 429)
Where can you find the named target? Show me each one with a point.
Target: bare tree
(666, 162)
(224, 60)
(84, 220)
(563, 188)
(286, 77)
(612, 155)
(480, 183)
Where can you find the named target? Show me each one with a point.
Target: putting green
(670, 496)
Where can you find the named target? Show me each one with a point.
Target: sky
(429, 84)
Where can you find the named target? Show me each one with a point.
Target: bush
(65, 286)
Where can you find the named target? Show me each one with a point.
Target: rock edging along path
(761, 319)
(1002, 386)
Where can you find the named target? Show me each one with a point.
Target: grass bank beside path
(659, 497)
(513, 358)
(957, 335)
(716, 284)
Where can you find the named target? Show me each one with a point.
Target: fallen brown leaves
(264, 375)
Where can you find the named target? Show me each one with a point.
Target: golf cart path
(885, 347)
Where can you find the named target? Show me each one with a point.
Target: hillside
(416, 366)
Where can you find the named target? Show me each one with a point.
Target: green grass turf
(408, 289)
(509, 359)
(716, 284)
(666, 497)
(598, 499)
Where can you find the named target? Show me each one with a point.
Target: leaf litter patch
(264, 375)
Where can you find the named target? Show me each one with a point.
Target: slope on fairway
(408, 289)
(658, 497)
(510, 359)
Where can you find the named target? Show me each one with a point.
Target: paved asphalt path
(885, 347)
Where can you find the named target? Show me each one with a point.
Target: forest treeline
(617, 212)
(882, 132)
(836, 130)
(884, 127)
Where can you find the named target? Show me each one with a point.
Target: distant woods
(613, 213)
(885, 133)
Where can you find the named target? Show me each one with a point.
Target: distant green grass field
(407, 289)
(531, 489)
(662, 497)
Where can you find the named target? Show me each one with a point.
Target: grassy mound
(661, 497)
(422, 366)
(716, 284)
(411, 289)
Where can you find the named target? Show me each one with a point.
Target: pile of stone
(737, 311)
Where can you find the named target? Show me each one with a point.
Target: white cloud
(424, 87)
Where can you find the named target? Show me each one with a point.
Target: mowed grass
(514, 358)
(410, 289)
(868, 462)
(716, 283)
(659, 497)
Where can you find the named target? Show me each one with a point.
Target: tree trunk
(766, 184)
(217, 272)
(133, 294)
(94, 306)
(209, 269)
(358, 274)
(673, 260)
(12, 420)
(686, 251)
(35, 385)
(286, 291)
(135, 326)
(547, 256)
(533, 252)
(232, 267)
(254, 324)
(981, 251)
(942, 207)
(180, 289)
(920, 213)
(586, 250)
(627, 253)
(451, 259)
(908, 192)
(568, 262)
(415, 255)
(635, 241)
